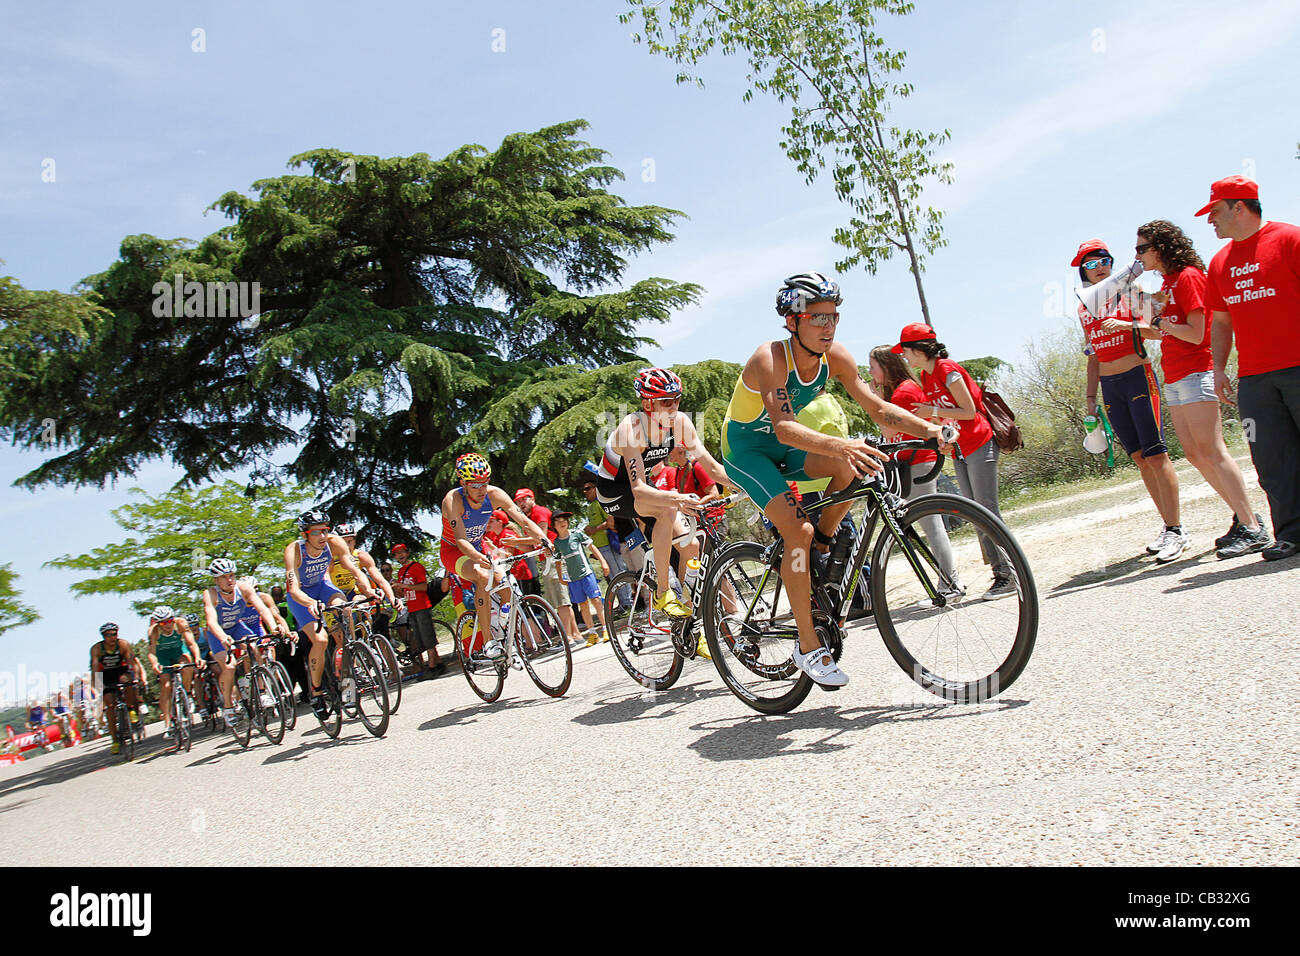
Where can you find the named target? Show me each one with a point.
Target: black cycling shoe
(320, 707)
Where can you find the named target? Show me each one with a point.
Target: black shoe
(1241, 541)
(320, 707)
(1279, 550)
(1233, 528)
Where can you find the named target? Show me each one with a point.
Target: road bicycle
(364, 627)
(182, 709)
(126, 738)
(207, 693)
(948, 640)
(534, 637)
(256, 699)
(353, 683)
(651, 646)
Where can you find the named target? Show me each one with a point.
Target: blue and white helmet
(161, 613)
(800, 291)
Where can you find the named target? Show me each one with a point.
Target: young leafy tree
(839, 77)
(170, 540)
(13, 613)
(401, 300)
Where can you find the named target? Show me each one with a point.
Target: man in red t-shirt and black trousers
(541, 517)
(414, 582)
(1253, 294)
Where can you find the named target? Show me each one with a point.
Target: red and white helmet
(658, 383)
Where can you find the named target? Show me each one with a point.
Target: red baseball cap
(398, 547)
(1092, 245)
(916, 332)
(1231, 187)
(500, 516)
(525, 493)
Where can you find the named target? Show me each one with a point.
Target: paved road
(1130, 739)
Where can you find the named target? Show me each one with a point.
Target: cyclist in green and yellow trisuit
(764, 447)
(170, 637)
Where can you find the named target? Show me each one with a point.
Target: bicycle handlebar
(925, 444)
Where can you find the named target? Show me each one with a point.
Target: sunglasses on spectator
(1099, 262)
(821, 319)
(1142, 248)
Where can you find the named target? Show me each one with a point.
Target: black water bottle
(838, 556)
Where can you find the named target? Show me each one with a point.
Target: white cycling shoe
(821, 667)
(495, 649)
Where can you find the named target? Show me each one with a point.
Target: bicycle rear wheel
(486, 677)
(542, 644)
(751, 630)
(962, 648)
(268, 705)
(643, 640)
(371, 689)
(392, 671)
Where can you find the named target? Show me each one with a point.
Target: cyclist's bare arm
(883, 413)
(691, 441)
(153, 647)
(503, 501)
(292, 584)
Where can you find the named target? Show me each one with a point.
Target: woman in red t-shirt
(1183, 330)
(892, 380)
(952, 395)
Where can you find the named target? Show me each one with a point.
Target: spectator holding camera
(1183, 330)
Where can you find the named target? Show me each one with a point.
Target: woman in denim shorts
(1183, 330)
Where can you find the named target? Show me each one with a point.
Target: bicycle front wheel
(371, 690)
(486, 677)
(125, 736)
(541, 642)
(284, 688)
(268, 705)
(643, 639)
(751, 630)
(953, 642)
(182, 718)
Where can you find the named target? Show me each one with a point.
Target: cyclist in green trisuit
(764, 447)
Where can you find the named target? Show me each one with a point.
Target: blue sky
(1066, 124)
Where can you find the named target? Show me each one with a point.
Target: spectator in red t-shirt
(689, 476)
(1131, 393)
(952, 395)
(891, 380)
(541, 517)
(413, 581)
(1184, 334)
(1253, 295)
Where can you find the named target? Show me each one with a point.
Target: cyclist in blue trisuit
(764, 447)
(306, 577)
(233, 610)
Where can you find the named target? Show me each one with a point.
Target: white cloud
(1155, 60)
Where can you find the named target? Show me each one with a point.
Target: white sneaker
(495, 649)
(1158, 545)
(821, 667)
(228, 716)
(1176, 543)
